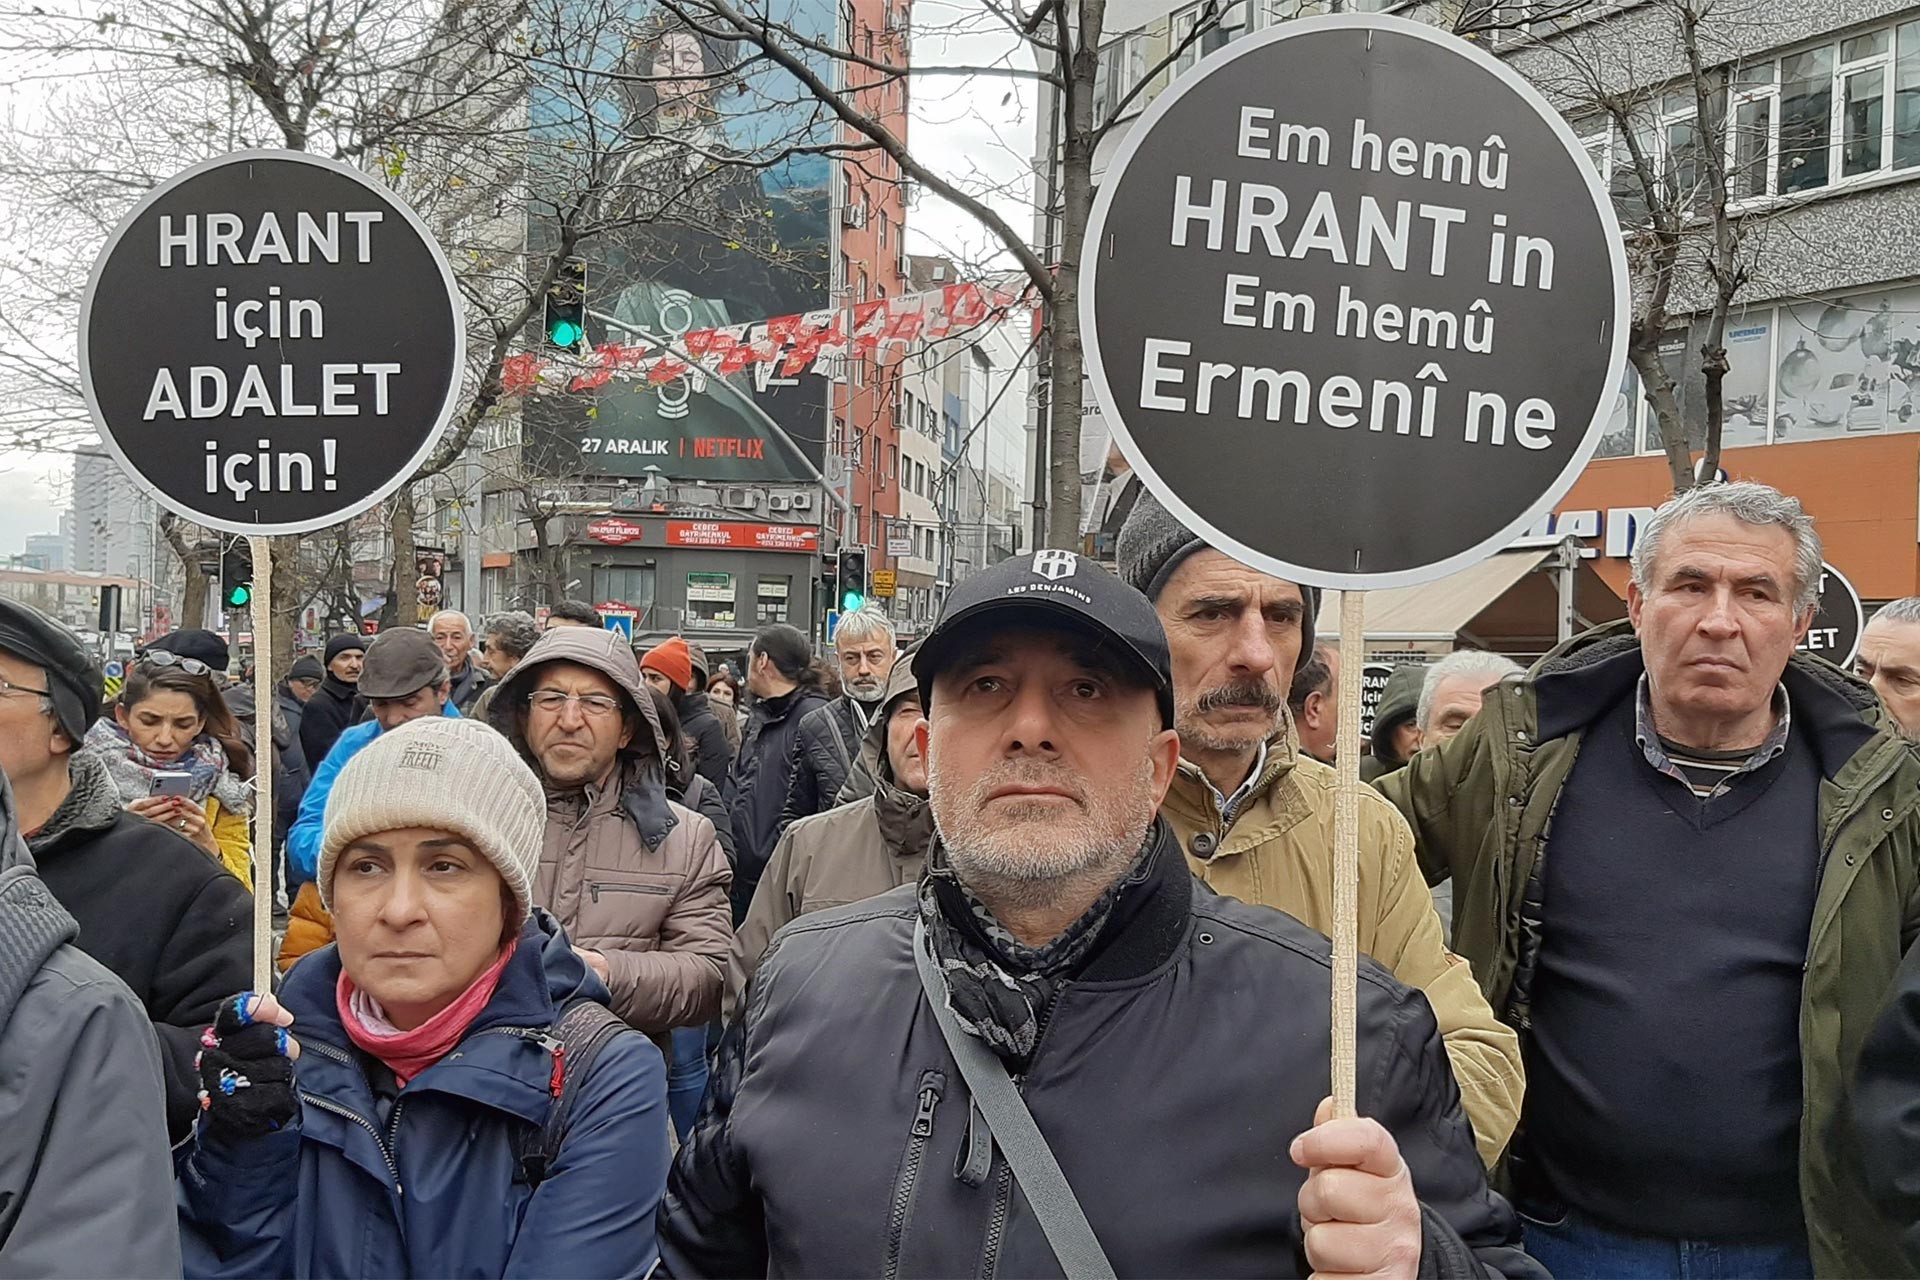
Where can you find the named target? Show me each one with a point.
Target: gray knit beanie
(453, 775)
(1153, 543)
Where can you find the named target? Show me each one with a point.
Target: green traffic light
(565, 333)
(239, 597)
(851, 601)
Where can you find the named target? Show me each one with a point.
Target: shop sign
(614, 531)
(734, 536)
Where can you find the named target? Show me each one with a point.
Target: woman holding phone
(179, 759)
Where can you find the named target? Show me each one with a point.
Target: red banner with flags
(793, 342)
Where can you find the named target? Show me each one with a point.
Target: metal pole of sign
(1569, 565)
(1346, 850)
(262, 763)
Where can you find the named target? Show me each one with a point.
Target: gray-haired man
(1684, 860)
(829, 740)
(453, 636)
(1889, 660)
(1453, 689)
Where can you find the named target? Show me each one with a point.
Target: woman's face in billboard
(679, 54)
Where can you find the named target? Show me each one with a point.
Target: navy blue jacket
(435, 1190)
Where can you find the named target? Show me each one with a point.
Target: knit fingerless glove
(246, 1078)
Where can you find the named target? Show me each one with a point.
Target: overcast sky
(974, 130)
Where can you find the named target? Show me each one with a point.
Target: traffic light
(830, 582)
(109, 610)
(567, 306)
(853, 579)
(236, 577)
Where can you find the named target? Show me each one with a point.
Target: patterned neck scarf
(132, 769)
(1001, 992)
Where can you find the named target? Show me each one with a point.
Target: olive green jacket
(1480, 806)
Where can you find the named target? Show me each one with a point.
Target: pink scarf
(408, 1053)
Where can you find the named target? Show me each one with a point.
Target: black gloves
(246, 1077)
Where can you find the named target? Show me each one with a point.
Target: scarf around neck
(1000, 992)
(408, 1053)
(132, 769)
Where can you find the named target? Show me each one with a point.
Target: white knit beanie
(454, 775)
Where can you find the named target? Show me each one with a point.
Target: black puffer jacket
(823, 752)
(712, 748)
(1170, 1079)
(757, 787)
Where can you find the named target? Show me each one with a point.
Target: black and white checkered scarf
(1000, 992)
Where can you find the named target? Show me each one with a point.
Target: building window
(1906, 96)
(1806, 124)
(1866, 61)
(1122, 64)
(1755, 140)
(620, 584)
(772, 600)
(710, 599)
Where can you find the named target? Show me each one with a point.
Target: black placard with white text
(1837, 622)
(1354, 302)
(271, 342)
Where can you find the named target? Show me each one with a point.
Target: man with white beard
(1170, 1046)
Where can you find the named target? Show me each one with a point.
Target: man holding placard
(1684, 857)
(1256, 818)
(1170, 1045)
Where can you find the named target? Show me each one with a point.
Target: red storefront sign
(742, 537)
(614, 531)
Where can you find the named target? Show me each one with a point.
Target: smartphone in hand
(171, 783)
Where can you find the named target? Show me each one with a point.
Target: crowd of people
(1002, 955)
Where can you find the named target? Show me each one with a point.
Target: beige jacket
(1279, 853)
(627, 872)
(843, 855)
(828, 860)
(660, 916)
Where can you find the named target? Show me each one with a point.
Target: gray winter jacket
(86, 1183)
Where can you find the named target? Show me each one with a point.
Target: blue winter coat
(436, 1190)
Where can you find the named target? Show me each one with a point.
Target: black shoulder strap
(839, 739)
(583, 1028)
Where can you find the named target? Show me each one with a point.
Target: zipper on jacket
(595, 886)
(1003, 1189)
(379, 1140)
(997, 1224)
(546, 1040)
(932, 1084)
(386, 1141)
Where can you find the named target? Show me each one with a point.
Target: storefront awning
(1508, 602)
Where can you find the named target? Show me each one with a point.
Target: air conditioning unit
(854, 215)
(739, 499)
(779, 502)
(803, 502)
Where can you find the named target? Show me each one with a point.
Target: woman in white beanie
(442, 1091)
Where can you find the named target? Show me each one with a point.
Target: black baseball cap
(1048, 588)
